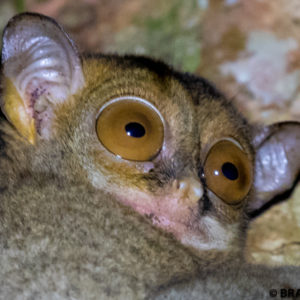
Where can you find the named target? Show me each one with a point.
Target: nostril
(198, 190)
(182, 185)
(189, 187)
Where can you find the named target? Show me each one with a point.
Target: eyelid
(228, 138)
(133, 98)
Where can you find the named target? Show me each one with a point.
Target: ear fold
(41, 68)
(277, 163)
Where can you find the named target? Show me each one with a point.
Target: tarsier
(122, 178)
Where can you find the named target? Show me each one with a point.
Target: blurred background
(249, 49)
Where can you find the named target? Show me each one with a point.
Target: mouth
(182, 220)
(172, 214)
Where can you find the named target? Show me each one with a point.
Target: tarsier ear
(277, 163)
(41, 68)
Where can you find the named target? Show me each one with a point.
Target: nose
(188, 189)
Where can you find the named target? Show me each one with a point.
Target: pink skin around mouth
(166, 212)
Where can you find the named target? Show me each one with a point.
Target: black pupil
(230, 171)
(135, 130)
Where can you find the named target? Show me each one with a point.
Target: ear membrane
(41, 68)
(277, 163)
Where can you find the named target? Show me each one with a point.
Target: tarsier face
(166, 144)
(163, 162)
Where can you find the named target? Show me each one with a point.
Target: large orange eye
(228, 171)
(131, 128)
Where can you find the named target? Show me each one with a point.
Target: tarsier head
(165, 143)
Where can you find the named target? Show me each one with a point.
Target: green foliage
(20, 5)
(172, 35)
